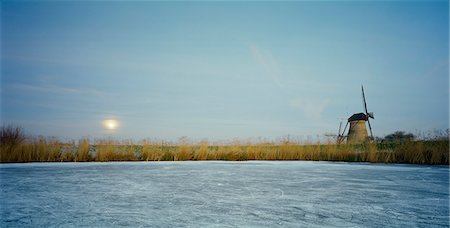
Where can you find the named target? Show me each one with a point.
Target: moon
(110, 124)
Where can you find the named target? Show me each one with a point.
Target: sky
(223, 70)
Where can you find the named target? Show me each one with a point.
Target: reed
(15, 147)
(201, 151)
(105, 150)
(184, 150)
(83, 154)
(111, 150)
(157, 151)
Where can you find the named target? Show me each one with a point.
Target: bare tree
(11, 136)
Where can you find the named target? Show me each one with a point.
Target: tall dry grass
(83, 154)
(15, 147)
(36, 150)
(111, 150)
(157, 151)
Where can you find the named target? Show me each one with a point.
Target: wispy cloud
(54, 89)
(267, 63)
(312, 109)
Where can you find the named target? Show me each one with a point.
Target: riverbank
(435, 152)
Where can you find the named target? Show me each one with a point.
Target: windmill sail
(368, 114)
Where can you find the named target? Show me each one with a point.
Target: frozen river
(223, 194)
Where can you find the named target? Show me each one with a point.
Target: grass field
(433, 151)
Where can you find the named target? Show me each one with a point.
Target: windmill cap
(357, 116)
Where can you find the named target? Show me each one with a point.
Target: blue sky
(223, 70)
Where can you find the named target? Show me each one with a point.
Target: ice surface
(223, 194)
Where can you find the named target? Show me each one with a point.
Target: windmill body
(357, 133)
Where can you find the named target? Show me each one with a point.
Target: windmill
(357, 132)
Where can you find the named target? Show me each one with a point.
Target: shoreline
(227, 161)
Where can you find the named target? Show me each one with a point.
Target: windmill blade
(339, 136)
(345, 128)
(340, 125)
(364, 99)
(370, 128)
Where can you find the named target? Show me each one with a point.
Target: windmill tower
(357, 132)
